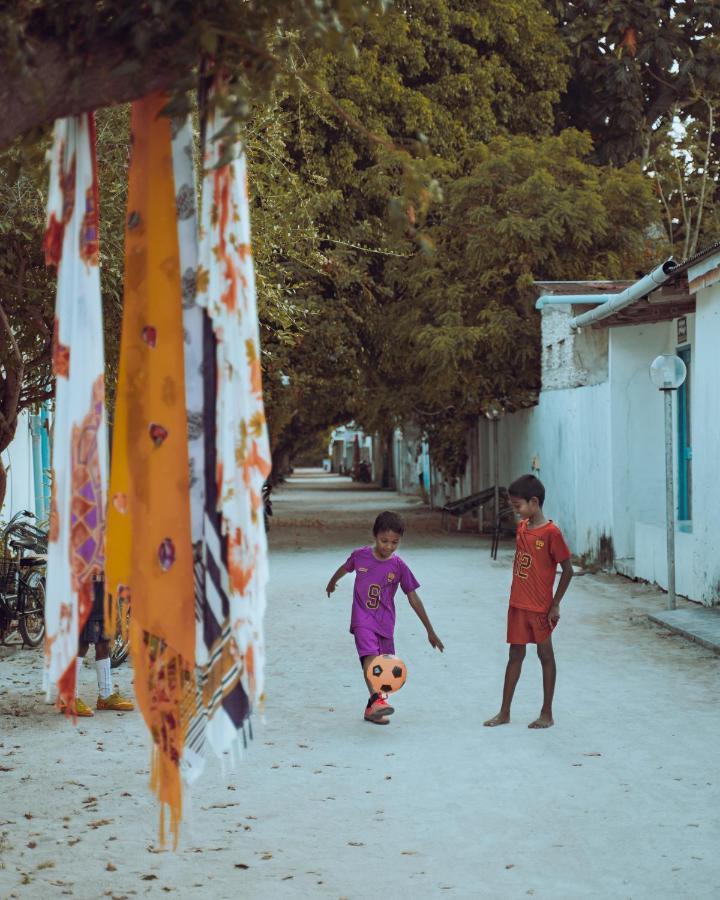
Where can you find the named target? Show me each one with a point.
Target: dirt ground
(619, 800)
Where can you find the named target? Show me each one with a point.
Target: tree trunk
(388, 476)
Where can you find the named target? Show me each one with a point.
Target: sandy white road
(619, 800)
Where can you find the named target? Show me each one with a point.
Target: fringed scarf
(79, 458)
(149, 532)
(237, 455)
(200, 423)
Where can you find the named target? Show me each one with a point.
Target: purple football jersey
(376, 582)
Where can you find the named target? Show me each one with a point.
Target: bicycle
(22, 580)
(120, 645)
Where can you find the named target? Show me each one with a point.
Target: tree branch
(671, 237)
(49, 88)
(703, 184)
(32, 399)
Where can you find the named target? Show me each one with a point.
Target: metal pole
(669, 498)
(496, 462)
(37, 464)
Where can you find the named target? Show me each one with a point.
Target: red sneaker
(378, 709)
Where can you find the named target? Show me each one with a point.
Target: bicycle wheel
(31, 609)
(120, 647)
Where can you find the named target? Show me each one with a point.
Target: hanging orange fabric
(149, 553)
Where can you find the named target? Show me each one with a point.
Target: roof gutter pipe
(611, 303)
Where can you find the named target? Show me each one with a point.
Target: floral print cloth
(239, 455)
(79, 456)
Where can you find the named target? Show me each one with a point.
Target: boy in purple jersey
(378, 574)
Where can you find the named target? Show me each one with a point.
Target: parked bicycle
(267, 503)
(362, 472)
(120, 644)
(22, 579)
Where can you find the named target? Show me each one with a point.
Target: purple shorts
(369, 643)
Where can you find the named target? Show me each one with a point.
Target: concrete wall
(651, 558)
(18, 461)
(564, 440)
(600, 449)
(637, 429)
(596, 440)
(571, 358)
(705, 423)
(640, 466)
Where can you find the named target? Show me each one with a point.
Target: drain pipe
(611, 303)
(35, 437)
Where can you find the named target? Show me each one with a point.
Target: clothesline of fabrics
(176, 524)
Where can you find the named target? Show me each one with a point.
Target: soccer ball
(386, 673)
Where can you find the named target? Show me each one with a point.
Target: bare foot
(542, 721)
(499, 719)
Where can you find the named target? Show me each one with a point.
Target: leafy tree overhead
(635, 66)
(527, 208)
(438, 335)
(26, 295)
(423, 315)
(62, 58)
(438, 77)
(684, 168)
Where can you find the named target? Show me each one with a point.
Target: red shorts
(527, 627)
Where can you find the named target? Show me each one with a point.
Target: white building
(596, 437)
(27, 463)
(348, 444)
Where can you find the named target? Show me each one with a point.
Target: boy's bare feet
(542, 721)
(499, 719)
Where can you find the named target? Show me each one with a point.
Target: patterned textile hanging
(79, 458)
(196, 326)
(149, 536)
(237, 454)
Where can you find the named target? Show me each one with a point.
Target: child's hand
(330, 588)
(435, 641)
(554, 615)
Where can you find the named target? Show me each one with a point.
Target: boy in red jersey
(534, 610)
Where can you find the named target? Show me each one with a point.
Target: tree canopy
(413, 168)
(636, 66)
(434, 332)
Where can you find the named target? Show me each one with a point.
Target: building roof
(674, 299)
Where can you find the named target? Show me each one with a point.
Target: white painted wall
(18, 461)
(601, 447)
(637, 429)
(651, 558)
(567, 435)
(705, 423)
(597, 436)
(697, 550)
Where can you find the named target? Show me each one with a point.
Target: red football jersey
(539, 550)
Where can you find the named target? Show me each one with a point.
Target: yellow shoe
(81, 708)
(115, 702)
